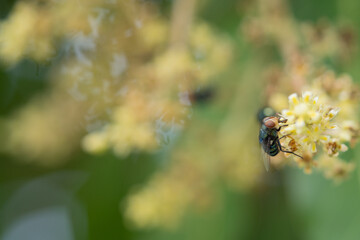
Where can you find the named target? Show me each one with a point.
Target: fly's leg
(281, 127)
(287, 135)
(286, 150)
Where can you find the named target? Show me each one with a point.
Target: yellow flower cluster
(26, 34)
(117, 65)
(309, 121)
(34, 28)
(161, 204)
(41, 133)
(311, 124)
(184, 184)
(161, 92)
(130, 128)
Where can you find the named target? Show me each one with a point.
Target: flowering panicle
(312, 127)
(322, 121)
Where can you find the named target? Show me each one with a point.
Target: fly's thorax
(273, 133)
(267, 134)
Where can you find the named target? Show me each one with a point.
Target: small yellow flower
(333, 147)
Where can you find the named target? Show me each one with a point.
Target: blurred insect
(269, 139)
(202, 95)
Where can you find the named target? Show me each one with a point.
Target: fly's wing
(265, 156)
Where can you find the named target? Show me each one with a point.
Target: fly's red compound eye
(270, 122)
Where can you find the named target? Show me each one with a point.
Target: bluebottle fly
(269, 139)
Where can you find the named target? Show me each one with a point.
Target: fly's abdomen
(274, 149)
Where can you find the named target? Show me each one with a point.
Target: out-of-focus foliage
(132, 89)
(157, 101)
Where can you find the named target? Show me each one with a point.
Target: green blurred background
(91, 190)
